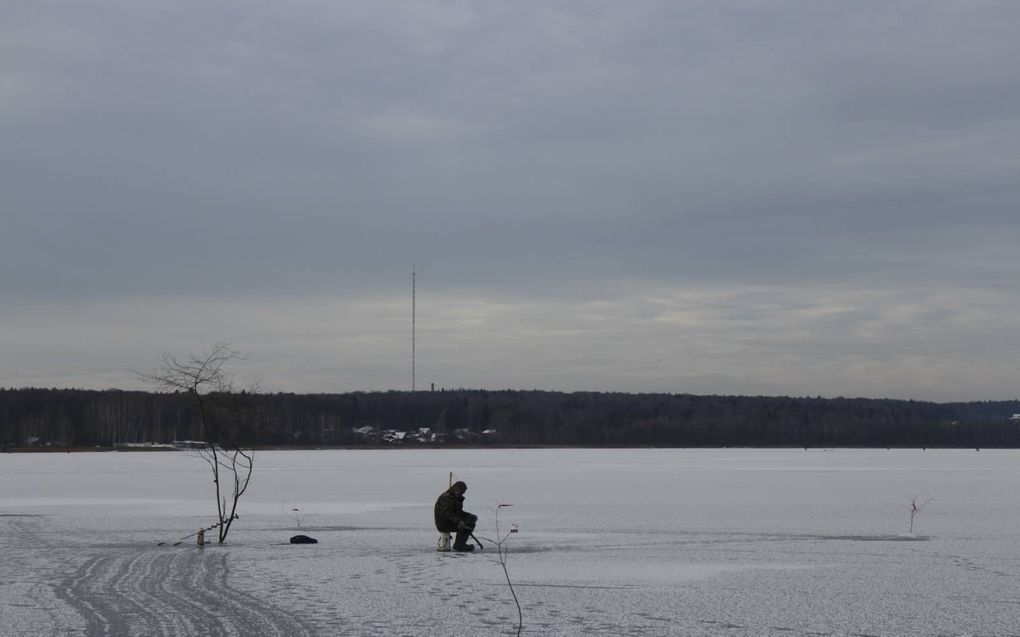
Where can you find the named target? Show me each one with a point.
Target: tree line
(88, 418)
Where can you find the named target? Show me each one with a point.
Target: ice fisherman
(451, 516)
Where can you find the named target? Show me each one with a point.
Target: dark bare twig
(503, 551)
(916, 508)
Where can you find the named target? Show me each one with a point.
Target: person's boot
(460, 544)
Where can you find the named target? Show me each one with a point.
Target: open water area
(611, 542)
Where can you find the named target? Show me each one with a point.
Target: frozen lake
(611, 542)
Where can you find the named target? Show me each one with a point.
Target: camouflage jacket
(449, 511)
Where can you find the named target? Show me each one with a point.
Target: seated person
(451, 516)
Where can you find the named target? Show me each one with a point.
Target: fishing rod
(476, 540)
(208, 528)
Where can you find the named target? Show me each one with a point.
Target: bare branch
(223, 416)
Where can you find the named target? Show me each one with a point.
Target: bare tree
(225, 418)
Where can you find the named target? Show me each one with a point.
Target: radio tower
(413, 308)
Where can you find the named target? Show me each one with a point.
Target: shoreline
(156, 449)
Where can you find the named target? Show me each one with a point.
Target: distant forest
(82, 418)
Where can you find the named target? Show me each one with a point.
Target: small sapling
(503, 551)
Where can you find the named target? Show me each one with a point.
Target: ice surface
(611, 542)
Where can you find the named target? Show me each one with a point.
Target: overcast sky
(797, 198)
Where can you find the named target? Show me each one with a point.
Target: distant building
(189, 444)
(465, 435)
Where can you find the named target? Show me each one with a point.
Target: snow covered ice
(611, 542)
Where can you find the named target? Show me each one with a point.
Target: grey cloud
(223, 151)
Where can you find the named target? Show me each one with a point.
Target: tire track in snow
(253, 615)
(169, 592)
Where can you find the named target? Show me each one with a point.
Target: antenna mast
(413, 316)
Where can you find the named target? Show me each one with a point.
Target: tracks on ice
(133, 591)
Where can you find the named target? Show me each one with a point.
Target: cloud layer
(794, 198)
